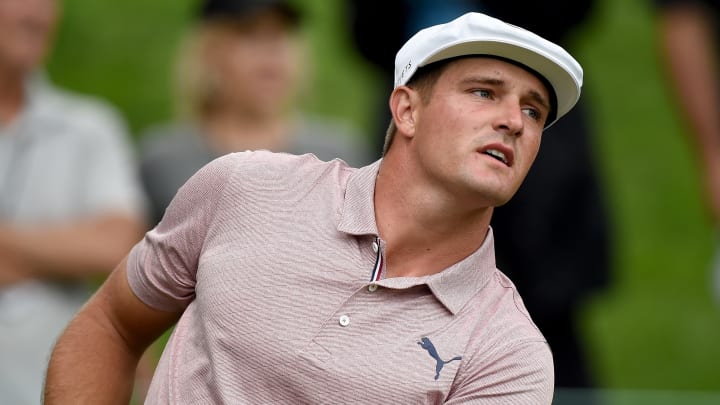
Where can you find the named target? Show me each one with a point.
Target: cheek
(234, 69)
(445, 124)
(531, 152)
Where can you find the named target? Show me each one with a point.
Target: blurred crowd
(78, 189)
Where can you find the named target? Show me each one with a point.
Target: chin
(495, 195)
(484, 198)
(501, 203)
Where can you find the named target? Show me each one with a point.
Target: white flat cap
(479, 34)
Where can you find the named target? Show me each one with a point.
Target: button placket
(377, 247)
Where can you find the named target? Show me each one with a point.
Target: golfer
(294, 280)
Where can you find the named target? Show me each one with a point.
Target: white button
(344, 320)
(372, 287)
(375, 246)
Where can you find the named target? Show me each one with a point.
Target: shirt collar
(454, 286)
(457, 284)
(357, 216)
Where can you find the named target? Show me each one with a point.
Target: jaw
(492, 181)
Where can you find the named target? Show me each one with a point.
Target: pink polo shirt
(272, 258)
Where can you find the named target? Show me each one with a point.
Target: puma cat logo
(426, 344)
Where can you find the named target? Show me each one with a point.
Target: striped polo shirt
(276, 261)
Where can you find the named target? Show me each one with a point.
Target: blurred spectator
(553, 236)
(71, 204)
(689, 39)
(238, 77)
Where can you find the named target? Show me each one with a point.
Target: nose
(509, 119)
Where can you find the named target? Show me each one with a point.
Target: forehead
(494, 68)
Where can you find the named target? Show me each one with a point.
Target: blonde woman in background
(238, 74)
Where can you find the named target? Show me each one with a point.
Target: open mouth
(499, 152)
(498, 155)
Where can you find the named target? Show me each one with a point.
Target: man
(554, 238)
(70, 203)
(301, 281)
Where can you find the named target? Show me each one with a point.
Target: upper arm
(119, 309)
(153, 284)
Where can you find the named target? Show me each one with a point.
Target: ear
(404, 102)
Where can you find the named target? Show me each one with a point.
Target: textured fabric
(271, 256)
(65, 157)
(171, 153)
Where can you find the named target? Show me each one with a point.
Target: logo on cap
(405, 70)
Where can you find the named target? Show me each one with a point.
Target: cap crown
(479, 34)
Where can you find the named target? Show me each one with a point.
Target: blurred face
(479, 131)
(256, 62)
(26, 27)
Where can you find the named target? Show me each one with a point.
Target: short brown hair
(423, 81)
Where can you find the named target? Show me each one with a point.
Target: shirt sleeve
(521, 375)
(162, 267)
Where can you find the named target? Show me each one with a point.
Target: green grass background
(657, 328)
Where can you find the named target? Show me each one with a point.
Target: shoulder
(506, 351)
(502, 321)
(81, 111)
(282, 167)
(509, 310)
(256, 178)
(262, 175)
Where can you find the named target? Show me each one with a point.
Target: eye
(484, 93)
(532, 113)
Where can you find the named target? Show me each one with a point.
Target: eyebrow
(490, 81)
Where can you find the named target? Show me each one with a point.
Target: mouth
(500, 153)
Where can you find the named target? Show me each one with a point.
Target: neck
(231, 132)
(12, 94)
(425, 230)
